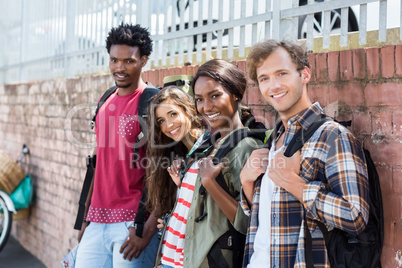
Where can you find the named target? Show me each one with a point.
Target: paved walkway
(14, 255)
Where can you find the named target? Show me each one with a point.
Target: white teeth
(279, 95)
(212, 115)
(120, 76)
(174, 132)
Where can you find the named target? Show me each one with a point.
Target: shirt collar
(306, 117)
(303, 119)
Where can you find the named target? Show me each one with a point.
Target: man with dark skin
(108, 234)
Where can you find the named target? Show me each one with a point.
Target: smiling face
(282, 85)
(172, 120)
(216, 104)
(125, 65)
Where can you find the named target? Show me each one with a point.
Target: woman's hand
(160, 224)
(174, 171)
(208, 171)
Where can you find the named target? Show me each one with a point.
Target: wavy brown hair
(162, 150)
(262, 50)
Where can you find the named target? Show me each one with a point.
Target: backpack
(140, 140)
(182, 81)
(232, 239)
(344, 249)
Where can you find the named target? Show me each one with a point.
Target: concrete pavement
(14, 255)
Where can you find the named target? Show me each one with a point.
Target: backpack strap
(143, 104)
(90, 162)
(202, 151)
(140, 216)
(272, 135)
(302, 136)
(297, 142)
(140, 140)
(232, 141)
(102, 100)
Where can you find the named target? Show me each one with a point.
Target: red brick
(171, 71)
(346, 69)
(161, 75)
(373, 62)
(391, 205)
(385, 175)
(398, 61)
(242, 65)
(350, 93)
(361, 123)
(387, 61)
(259, 114)
(145, 75)
(196, 69)
(178, 70)
(388, 257)
(153, 77)
(318, 92)
(400, 207)
(321, 67)
(398, 234)
(270, 116)
(245, 96)
(397, 123)
(313, 68)
(251, 82)
(388, 94)
(190, 71)
(333, 65)
(382, 123)
(397, 181)
(389, 231)
(156, 78)
(384, 151)
(359, 63)
(187, 70)
(254, 97)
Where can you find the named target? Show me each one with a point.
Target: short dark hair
(130, 35)
(225, 73)
(262, 50)
(232, 79)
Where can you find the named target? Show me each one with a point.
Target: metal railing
(45, 39)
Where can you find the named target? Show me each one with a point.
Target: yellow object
(11, 173)
(181, 81)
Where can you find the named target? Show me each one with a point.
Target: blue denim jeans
(100, 247)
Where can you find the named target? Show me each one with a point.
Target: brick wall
(52, 118)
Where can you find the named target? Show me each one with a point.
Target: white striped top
(173, 243)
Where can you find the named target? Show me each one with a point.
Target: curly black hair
(131, 35)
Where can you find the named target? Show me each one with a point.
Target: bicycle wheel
(5, 223)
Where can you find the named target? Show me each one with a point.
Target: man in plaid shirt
(290, 186)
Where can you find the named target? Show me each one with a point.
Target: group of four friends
(271, 211)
